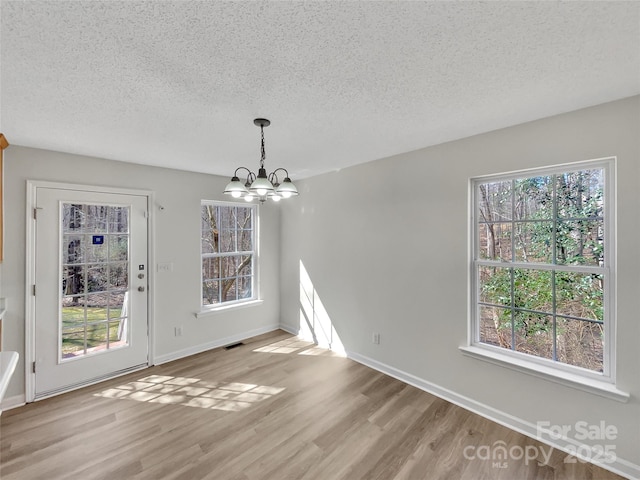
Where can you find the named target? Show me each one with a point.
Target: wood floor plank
(274, 408)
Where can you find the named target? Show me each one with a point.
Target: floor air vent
(233, 345)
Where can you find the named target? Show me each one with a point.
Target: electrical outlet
(375, 338)
(178, 331)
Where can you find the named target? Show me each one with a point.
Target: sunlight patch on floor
(321, 352)
(192, 392)
(289, 345)
(299, 347)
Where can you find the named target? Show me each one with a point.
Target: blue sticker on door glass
(98, 239)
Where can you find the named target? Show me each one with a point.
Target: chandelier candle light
(262, 186)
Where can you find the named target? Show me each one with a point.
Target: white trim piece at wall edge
(290, 329)
(594, 386)
(152, 207)
(223, 308)
(619, 466)
(221, 342)
(13, 402)
(8, 362)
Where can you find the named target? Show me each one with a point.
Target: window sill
(206, 312)
(594, 386)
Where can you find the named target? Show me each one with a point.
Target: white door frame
(30, 276)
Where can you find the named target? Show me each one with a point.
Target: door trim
(30, 269)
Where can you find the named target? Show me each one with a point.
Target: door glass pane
(118, 247)
(118, 275)
(119, 220)
(95, 278)
(95, 218)
(73, 249)
(73, 281)
(73, 341)
(97, 337)
(72, 218)
(117, 333)
(116, 301)
(96, 308)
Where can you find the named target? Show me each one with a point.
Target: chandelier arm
(235, 174)
(280, 168)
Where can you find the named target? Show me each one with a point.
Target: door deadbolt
(141, 276)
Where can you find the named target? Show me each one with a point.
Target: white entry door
(90, 287)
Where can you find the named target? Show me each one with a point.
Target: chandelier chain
(262, 154)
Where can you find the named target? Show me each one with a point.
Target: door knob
(141, 289)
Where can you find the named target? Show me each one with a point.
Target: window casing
(228, 254)
(541, 277)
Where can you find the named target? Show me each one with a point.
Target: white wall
(385, 245)
(177, 230)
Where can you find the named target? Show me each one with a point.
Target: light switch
(165, 267)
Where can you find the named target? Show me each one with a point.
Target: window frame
(255, 298)
(530, 363)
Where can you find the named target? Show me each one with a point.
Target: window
(542, 266)
(228, 249)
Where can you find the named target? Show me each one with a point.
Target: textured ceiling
(178, 83)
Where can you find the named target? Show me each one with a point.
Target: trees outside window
(227, 252)
(542, 272)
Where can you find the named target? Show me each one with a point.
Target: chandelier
(261, 186)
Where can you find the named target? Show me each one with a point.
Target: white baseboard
(203, 347)
(290, 329)
(13, 402)
(619, 466)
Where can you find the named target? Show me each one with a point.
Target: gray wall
(177, 230)
(385, 245)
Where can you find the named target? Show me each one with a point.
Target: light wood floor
(276, 408)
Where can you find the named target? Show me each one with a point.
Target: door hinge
(35, 212)
(33, 367)
(33, 290)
